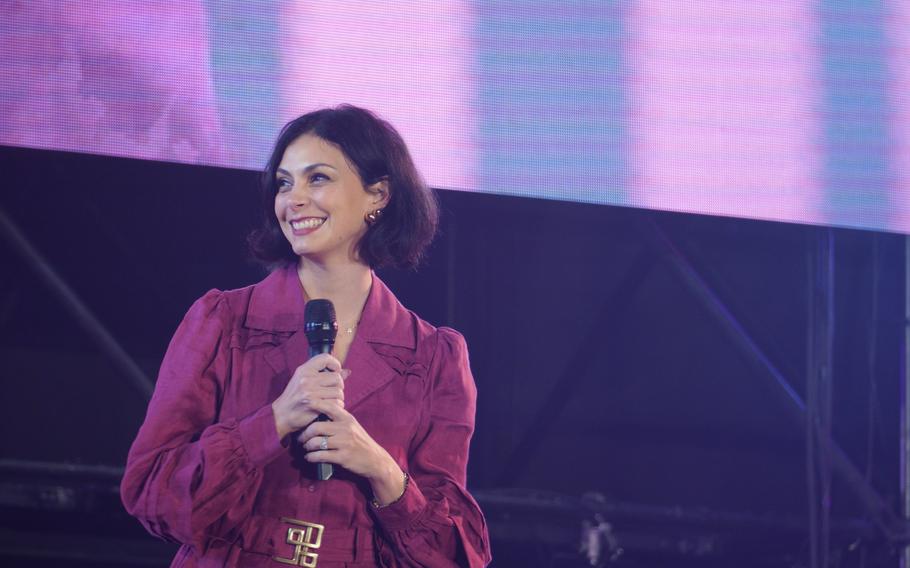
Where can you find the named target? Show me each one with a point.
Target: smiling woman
(350, 146)
(321, 204)
(225, 461)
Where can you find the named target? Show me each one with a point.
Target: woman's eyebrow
(307, 169)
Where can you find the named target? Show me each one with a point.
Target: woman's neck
(347, 285)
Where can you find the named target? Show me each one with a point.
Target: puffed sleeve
(189, 478)
(437, 522)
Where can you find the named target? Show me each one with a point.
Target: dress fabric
(208, 470)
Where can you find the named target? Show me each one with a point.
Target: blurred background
(673, 235)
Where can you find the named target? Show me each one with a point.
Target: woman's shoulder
(438, 341)
(425, 331)
(394, 321)
(226, 303)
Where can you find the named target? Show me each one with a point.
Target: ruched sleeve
(437, 522)
(190, 478)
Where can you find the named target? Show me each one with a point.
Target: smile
(308, 223)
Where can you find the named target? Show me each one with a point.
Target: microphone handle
(324, 471)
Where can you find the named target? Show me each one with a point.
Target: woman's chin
(309, 255)
(305, 253)
(299, 250)
(302, 247)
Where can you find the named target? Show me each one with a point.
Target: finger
(319, 393)
(323, 456)
(325, 394)
(324, 361)
(310, 379)
(331, 408)
(330, 379)
(317, 443)
(317, 429)
(311, 444)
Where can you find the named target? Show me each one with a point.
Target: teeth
(307, 223)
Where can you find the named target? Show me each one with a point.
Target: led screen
(792, 111)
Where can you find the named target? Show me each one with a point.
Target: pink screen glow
(723, 120)
(787, 111)
(414, 71)
(106, 77)
(899, 57)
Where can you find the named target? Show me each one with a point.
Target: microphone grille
(319, 321)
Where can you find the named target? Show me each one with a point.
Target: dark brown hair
(376, 151)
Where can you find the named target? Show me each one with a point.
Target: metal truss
(129, 369)
(824, 456)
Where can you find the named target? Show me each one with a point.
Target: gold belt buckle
(305, 537)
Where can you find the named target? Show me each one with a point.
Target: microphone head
(319, 322)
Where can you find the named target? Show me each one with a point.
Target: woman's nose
(299, 197)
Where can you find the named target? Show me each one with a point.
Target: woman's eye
(318, 177)
(283, 184)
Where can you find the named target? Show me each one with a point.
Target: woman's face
(321, 201)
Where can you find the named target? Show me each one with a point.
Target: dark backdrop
(601, 373)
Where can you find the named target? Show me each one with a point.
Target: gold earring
(372, 216)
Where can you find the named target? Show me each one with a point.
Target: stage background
(584, 152)
(792, 111)
(586, 343)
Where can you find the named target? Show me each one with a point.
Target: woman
(225, 460)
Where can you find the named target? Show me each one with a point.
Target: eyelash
(285, 184)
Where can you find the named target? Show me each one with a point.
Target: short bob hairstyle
(376, 151)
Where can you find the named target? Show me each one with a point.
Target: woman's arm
(436, 522)
(188, 478)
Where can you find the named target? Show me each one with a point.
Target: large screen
(785, 110)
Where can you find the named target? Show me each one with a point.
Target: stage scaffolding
(905, 409)
(824, 457)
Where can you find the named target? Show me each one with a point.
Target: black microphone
(320, 328)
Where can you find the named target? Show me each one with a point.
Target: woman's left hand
(343, 441)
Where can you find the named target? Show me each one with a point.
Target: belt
(306, 539)
(302, 543)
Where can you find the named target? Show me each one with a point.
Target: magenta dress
(208, 470)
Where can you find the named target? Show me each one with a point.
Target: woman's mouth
(306, 225)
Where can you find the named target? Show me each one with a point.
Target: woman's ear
(379, 193)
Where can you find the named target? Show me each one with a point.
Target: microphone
(320, 328)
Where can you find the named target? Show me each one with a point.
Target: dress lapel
(277, 304)
(369, 373)
(384, 321)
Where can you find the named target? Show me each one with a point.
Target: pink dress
(208, 470)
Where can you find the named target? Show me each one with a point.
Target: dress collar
(276, 304)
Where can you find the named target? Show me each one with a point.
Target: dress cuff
(402, 513)
(259, 436)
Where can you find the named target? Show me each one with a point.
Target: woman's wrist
(389, 484)
(280, 427)
(377, 504)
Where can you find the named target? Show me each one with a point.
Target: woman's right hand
(308, 392)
